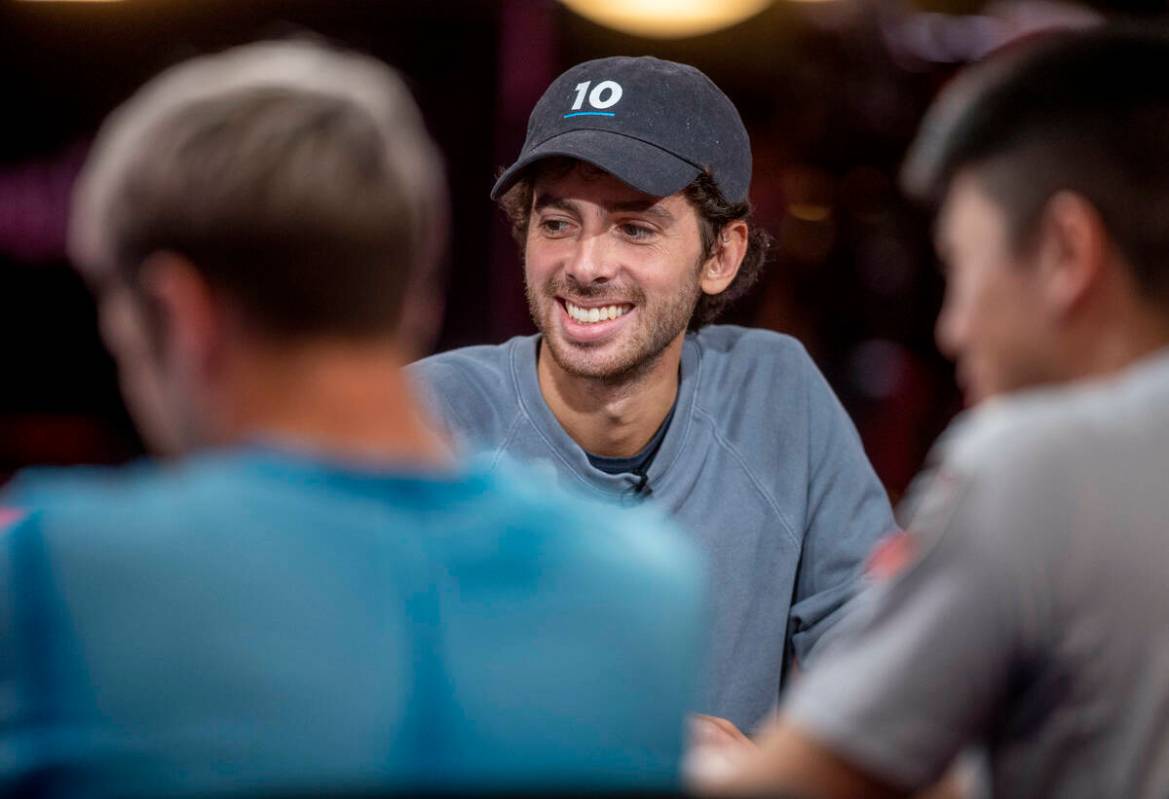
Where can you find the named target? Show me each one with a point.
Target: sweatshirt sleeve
(848, 512)
(926, 654)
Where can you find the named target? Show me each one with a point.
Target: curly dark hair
(714, 213)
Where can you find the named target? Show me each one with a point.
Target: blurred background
(831, 92)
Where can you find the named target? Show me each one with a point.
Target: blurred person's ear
(720, 269)
(420, 320)
(190, 320)
(136, 329)
(1073, 251)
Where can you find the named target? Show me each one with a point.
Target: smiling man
(629, 201)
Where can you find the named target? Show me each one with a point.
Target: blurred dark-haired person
(316, 596)
(1026, 610)
(629, 201)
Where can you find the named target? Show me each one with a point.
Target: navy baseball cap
(653, 124)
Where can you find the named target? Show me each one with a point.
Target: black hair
(1086, 112)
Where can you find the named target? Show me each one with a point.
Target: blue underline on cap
(590, 114)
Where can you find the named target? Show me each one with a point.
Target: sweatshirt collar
(570, 455)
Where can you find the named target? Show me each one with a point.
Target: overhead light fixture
(667, 19)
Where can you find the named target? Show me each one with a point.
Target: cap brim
(643, 166)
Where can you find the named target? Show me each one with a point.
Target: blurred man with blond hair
(314, 595)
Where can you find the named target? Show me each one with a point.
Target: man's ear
(720, 269)
(1074, 249)
(190, 318)
(422, 310)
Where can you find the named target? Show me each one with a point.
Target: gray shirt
(760, 464)
(1033, 618)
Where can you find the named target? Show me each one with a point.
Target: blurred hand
(714, 749)
(716, 732)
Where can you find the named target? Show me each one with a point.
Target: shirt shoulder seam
(733, 451)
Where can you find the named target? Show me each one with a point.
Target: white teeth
(593, 315)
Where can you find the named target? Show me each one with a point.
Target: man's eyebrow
(546, 200)
(648, 207)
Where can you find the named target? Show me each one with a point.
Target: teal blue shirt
(255, 620)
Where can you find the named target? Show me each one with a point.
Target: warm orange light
(809, 212)
(665, 19)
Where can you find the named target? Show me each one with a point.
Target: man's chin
(588, 361)
(589, 368)
(976, 394)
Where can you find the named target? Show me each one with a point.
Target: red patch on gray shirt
(891, 554)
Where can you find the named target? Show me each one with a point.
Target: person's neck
(338, 399)
(1112, 345)
(612, 418)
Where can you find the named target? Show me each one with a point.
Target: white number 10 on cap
(604, 95)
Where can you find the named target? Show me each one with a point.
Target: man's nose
(592, 260)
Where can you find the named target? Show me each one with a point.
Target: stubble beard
(658, 326)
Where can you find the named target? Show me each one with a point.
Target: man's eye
(636, 232)
(553, 227)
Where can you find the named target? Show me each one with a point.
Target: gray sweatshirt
(760, 465)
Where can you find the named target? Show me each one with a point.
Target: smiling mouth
(597, 313)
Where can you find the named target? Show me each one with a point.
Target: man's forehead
(962, 195)
(943, 223)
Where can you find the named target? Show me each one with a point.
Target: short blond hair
(297, 178)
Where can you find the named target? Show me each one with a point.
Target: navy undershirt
(639, 463)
